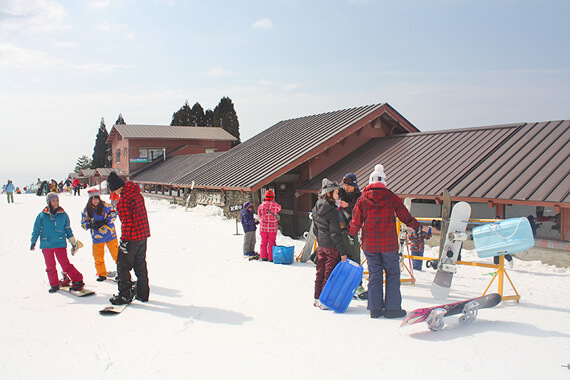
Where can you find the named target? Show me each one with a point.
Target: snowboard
(434, 315)
(118, 309)
(113, 309)
(309, 244)
(454, 237)
(79, 293)
(65, 285)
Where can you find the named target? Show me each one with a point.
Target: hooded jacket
(132, 213)
(107, 231)
(326, 226)
(375, 213)
(247, 220)
(52, 229)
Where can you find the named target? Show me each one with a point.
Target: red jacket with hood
(375, 212)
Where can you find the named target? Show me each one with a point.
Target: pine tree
(83, 162)
(120, 120)
(225, 116)
(183, 116)
(209, 118)
(102, 150)
(198, 117)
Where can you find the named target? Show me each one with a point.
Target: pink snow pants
(61, 253)
(267, 243)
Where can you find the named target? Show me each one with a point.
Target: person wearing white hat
(98, 217)
(374, 213)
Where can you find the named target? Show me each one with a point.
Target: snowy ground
(213, 314)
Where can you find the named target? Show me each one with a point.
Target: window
(153, 154)
(118, 156)
(125, 152)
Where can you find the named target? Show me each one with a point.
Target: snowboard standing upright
(309, 244)
(448, 255)
(434, 315)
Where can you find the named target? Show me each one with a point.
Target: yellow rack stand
(500, 275)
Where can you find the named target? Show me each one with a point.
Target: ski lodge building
(134, 146)
(511, 170)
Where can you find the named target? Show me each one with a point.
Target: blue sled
(341, 286)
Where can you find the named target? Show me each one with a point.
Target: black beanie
(114, 182)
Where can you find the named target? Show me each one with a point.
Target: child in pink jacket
(268, 213)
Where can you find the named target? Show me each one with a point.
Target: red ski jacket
(132, 212)
(375, 212)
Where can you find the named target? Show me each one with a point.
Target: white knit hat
(377, 175)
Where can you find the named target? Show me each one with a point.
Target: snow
(213, 314)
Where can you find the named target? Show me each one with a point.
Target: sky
(443, 64)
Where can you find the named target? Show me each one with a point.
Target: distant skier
(52, 227)
(76, 187)
(10, 191)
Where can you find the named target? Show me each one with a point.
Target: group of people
(52, 228)
(268, 214)
(340, 213)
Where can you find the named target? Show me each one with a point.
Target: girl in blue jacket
(98, 217)
(52, 228)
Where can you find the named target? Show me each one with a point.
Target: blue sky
(442, 64)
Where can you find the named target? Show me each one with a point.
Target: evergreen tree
(198, 117)
(225, 116)
(102, 150)
(183, 116)
(209, 118)
(83, 162)
(120, 120)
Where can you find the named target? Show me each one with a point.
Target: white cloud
(264, 23)
(116, 28)
(35, 60)
(32, 16)
(220, 72)
(99, 3)
(64, 44)
(282, 86)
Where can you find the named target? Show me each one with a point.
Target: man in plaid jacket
(134, 233)
(374, 213)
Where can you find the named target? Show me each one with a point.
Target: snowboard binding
(470, 312)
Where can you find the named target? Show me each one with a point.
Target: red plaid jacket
(132, 212)
(375, 212)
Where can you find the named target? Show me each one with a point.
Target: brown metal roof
(283, 146)
(526, 162)
(130, 131)
(170, 170)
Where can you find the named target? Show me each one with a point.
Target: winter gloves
(98, 224)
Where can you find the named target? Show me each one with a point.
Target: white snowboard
(448, 258)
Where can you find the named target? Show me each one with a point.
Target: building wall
(133, 147)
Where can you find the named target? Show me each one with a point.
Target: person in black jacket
(348, 195)
(326, 227)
